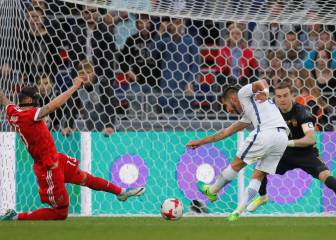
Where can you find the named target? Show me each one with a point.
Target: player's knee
(84, 180)
(63, 207)
(324, 175)
(237, 164)
(62, 213)
(62, 199)
(259, 175)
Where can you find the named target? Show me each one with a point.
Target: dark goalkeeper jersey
(297, 116)
(305, 158)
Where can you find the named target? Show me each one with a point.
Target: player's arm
(259, 85)
(61, 99)
(235, 127)
(307, 140)
(4, 101)
(258, 89)
(261, 90)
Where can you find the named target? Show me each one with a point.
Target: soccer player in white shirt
(264, 146)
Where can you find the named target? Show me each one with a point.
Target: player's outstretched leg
(261, 199)
(210, 191)
(100, 184)
(226, 176)
(39, 214)
(329, 180)
(60, 213)
(249, 194)
(75, 175)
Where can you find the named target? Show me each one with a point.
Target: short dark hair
(276, 2)
(291, 33)
(283, 84)
(170, 19)
(228, 91)
(165, 19)
(29, 91)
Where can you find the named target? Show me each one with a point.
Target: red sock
(45, 214)
(100, 184)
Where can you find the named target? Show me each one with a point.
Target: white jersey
(267, 143)
(263, 115)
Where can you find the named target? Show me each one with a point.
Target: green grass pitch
(147, 228)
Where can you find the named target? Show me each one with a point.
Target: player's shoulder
(301, 109)
(302, 112)
(10, 105)
(10, 108)
(22, 113)
(245, 91)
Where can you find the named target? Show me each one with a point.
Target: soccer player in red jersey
(52, 169)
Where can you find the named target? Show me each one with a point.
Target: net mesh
(290, 12)
(156, 74)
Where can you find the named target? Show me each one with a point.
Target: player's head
(29, 97)
(323, 59)
(44, 84)
(236, 32)
(175, 26)
(91, 15)
(36, 18)
(231, 101)
(275, 7)
(283, 95)
(144, 24)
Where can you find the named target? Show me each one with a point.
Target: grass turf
(156, 228)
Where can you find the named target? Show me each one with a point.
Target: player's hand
(194, 144)
(260, 96)
(79, 80)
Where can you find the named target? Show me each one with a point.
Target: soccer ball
(172, 209)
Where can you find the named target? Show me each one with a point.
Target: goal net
(156, 72)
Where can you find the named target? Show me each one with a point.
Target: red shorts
(52, 182)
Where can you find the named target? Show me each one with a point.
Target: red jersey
(34, 134)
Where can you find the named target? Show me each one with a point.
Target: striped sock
(249, 194)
